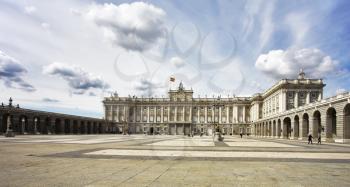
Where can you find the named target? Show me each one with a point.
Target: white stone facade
(181, 114)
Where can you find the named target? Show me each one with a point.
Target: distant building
(182, 114)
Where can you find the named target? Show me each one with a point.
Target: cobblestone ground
(138, 160)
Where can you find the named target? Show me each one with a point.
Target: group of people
(310, 139)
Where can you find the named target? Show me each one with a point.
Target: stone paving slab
(36, 163)
(219, 154)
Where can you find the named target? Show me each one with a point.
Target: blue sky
(66, 56)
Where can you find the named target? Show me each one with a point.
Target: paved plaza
(140, 160)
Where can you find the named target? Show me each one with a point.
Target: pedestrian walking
(309, 139)
(319, 139)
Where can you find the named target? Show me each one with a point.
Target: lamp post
(35, 127)
(23, 125)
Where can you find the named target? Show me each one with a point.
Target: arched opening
(100, 130)
(274, 128)
(296, 126)
(75, 127)
(95, 131)
(82, 127)
(305, 125)
(151, 130)
(57, 128)
(287, 127)
(90, 128)
(47, 126)
(331, 123)
(4, 123)
(261, 129)
(279, 128)
(347, 121)
(270, 128)
(67, 126)
(316, 125)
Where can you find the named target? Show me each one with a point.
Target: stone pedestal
(218, 137)
(9, 133)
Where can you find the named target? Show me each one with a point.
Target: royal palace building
(279, 112)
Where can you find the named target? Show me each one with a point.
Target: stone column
(327, 128)
(227, 116)
(117, 115)
(112, 117)
(168, 115)
(183, 113)
(284, 130)
(243, 114)
(213, 114)
(296, 99)
(307, 97)
(198, 111)
(175, 129)
(233, 116)
(134, 114)
(147, 114)
(206, 114)
(292, 125)
(126, 113)
(284, 101)
(190, 115)
(276, 129)
(320, 96)
(175, 114)
(183, 129)
(220, 115)
(141, 115)
(302, 128)
(161, 114)
(155, 114)
(340, 127)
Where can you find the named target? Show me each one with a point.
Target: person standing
(309, 139)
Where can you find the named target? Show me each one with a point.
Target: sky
(67, 55)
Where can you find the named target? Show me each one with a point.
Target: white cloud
(78, 80)
(11, 72)
(45, 26)
(177, 62)
(30, 9)
(286, 64)
(136, 26)
(299, 25)
(147, 87)
(267, 24)
(49, 100)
